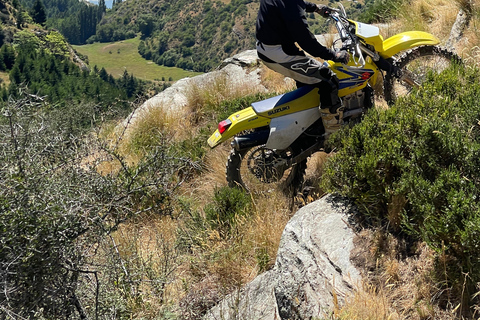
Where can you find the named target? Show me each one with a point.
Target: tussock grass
(148, 256)
(213, 176)
(396, 287)
(208, 95)
(468, 47)
(152, 126)
(275, 82)
(211, 262)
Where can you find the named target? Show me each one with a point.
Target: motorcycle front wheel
(415, 65)
(259, 170)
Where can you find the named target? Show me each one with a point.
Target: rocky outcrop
(239, 71)
(312, 274)
(461, 23)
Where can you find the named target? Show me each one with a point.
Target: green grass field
(115, 57)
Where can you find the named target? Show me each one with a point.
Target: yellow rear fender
(405, 41)
(242, 120)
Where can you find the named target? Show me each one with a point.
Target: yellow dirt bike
(273, 138)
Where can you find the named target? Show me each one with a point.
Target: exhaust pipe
(250, 140)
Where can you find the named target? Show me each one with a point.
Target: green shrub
(415, 168)
(229, 204)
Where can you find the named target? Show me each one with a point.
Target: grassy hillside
(116, 57)
(173, 239)
(406, 277)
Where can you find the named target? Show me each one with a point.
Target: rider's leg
(308, 71)
(331, 108)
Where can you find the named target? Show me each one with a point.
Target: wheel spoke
(261, 170)
(415, 66)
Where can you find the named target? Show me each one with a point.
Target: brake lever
(360, 62)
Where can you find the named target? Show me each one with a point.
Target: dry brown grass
(250, 249)
(130, 141)
(468, 47)
(149, 263)
(396, 286)
(275, 82)
(263, 232)
(434, 16)
(202, 187)
(215, 90)
(429, 15)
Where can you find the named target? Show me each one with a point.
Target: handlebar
(350, 42)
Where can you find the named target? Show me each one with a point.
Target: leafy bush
(415, 168)
(228, 206)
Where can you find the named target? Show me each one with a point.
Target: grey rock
(312, 273)
(461, 23)
(248, 58)
(242, 70)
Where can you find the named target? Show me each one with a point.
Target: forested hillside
(41, 62)
(76, 20)
(194, 35)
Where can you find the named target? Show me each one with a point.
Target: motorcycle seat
(297, 100)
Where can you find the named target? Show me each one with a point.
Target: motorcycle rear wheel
(415, 64)
(252, 170)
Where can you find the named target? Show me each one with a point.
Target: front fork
(390, 67)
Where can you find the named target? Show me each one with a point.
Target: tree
(20, 19)
(103, 74)
(16, 75)
(2, 36)
(7, 55)
(146, 24)
(102, 9)
(88, 23)
(38, 12)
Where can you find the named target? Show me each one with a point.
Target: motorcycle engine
(357, 103)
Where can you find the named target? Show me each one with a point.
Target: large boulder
(313, 272)
(240, 71)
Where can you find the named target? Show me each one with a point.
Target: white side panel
(286, 129)
(367, 30)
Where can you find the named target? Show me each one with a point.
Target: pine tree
(2, 36)
(15, 75)
(102, 9)
(2, 64)
(88, 23)
(20, 19)
(103, 74)
(39, 13)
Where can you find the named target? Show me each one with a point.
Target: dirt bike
(274, 138)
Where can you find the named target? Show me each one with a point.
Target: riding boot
(332, 121)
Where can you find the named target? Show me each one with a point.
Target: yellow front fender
(240, 121)
(406, 40)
